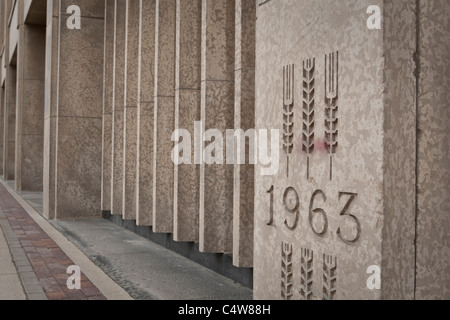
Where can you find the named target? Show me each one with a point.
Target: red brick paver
(48, 260)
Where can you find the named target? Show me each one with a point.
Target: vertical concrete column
(217, 112)
(10, 123)
(2, 89)
(187, 112)
(144, 168)
(108, 104)
(2, 124)
(433, 168)
(164, 116)
(2, 21)
(244, 190)
(79, 113)
(10, 60)
(30, 107)
(118, 111)
(50, 107)
(131, 99)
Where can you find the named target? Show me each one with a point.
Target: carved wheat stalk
(286, 271)
(329, 277)
(308, 108)
(306, 274)
(288, 111)
(331, 101)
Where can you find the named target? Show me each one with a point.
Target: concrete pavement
(10, 284)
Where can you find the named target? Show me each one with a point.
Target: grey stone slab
(11, 288)
(334, 210)
(433, 238)
(244, 189)
(24, 268)
(187, 112)
(37, 296)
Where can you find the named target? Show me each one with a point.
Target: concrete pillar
(2, 89)
(244, 192)
(187, 111)
(163, 166)
(118, 111)
(144, 169)
(78, 106)
(2, 125)
(217, 112)
(50, 108)
(342, 203)
(433, 190)
(30, 107)
(10, 61)
(131, 100)
(9, 137)
(108, 104)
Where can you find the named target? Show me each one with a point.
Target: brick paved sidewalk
(47, 259)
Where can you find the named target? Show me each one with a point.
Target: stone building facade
(92, 92)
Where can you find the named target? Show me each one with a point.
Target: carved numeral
(286, 271)
(344, 212)
(313, 212)
(291, 204)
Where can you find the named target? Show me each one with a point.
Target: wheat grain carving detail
(308, 108)
(306, 274)
(286, 271)
(331, 101)
(329, 277)
(288, 112)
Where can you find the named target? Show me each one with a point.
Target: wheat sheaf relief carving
(288, 112)
(329, 277)
(306, 274)
(308, 109)
(331, 102)
(286, 271)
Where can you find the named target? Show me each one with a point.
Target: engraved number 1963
(291, 205)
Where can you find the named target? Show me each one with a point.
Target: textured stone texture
(77, 114)
(131, 112)
(129, 163)
(144, 170)
(433, 237)
(164, 116)
(30, 108)
(78, 185)
(118, 111)
(9, 137)
(216, 180)
(108, 99)
(373, 163)
(244, 193)
(399, 150)
(187, 111)
(217, 112)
